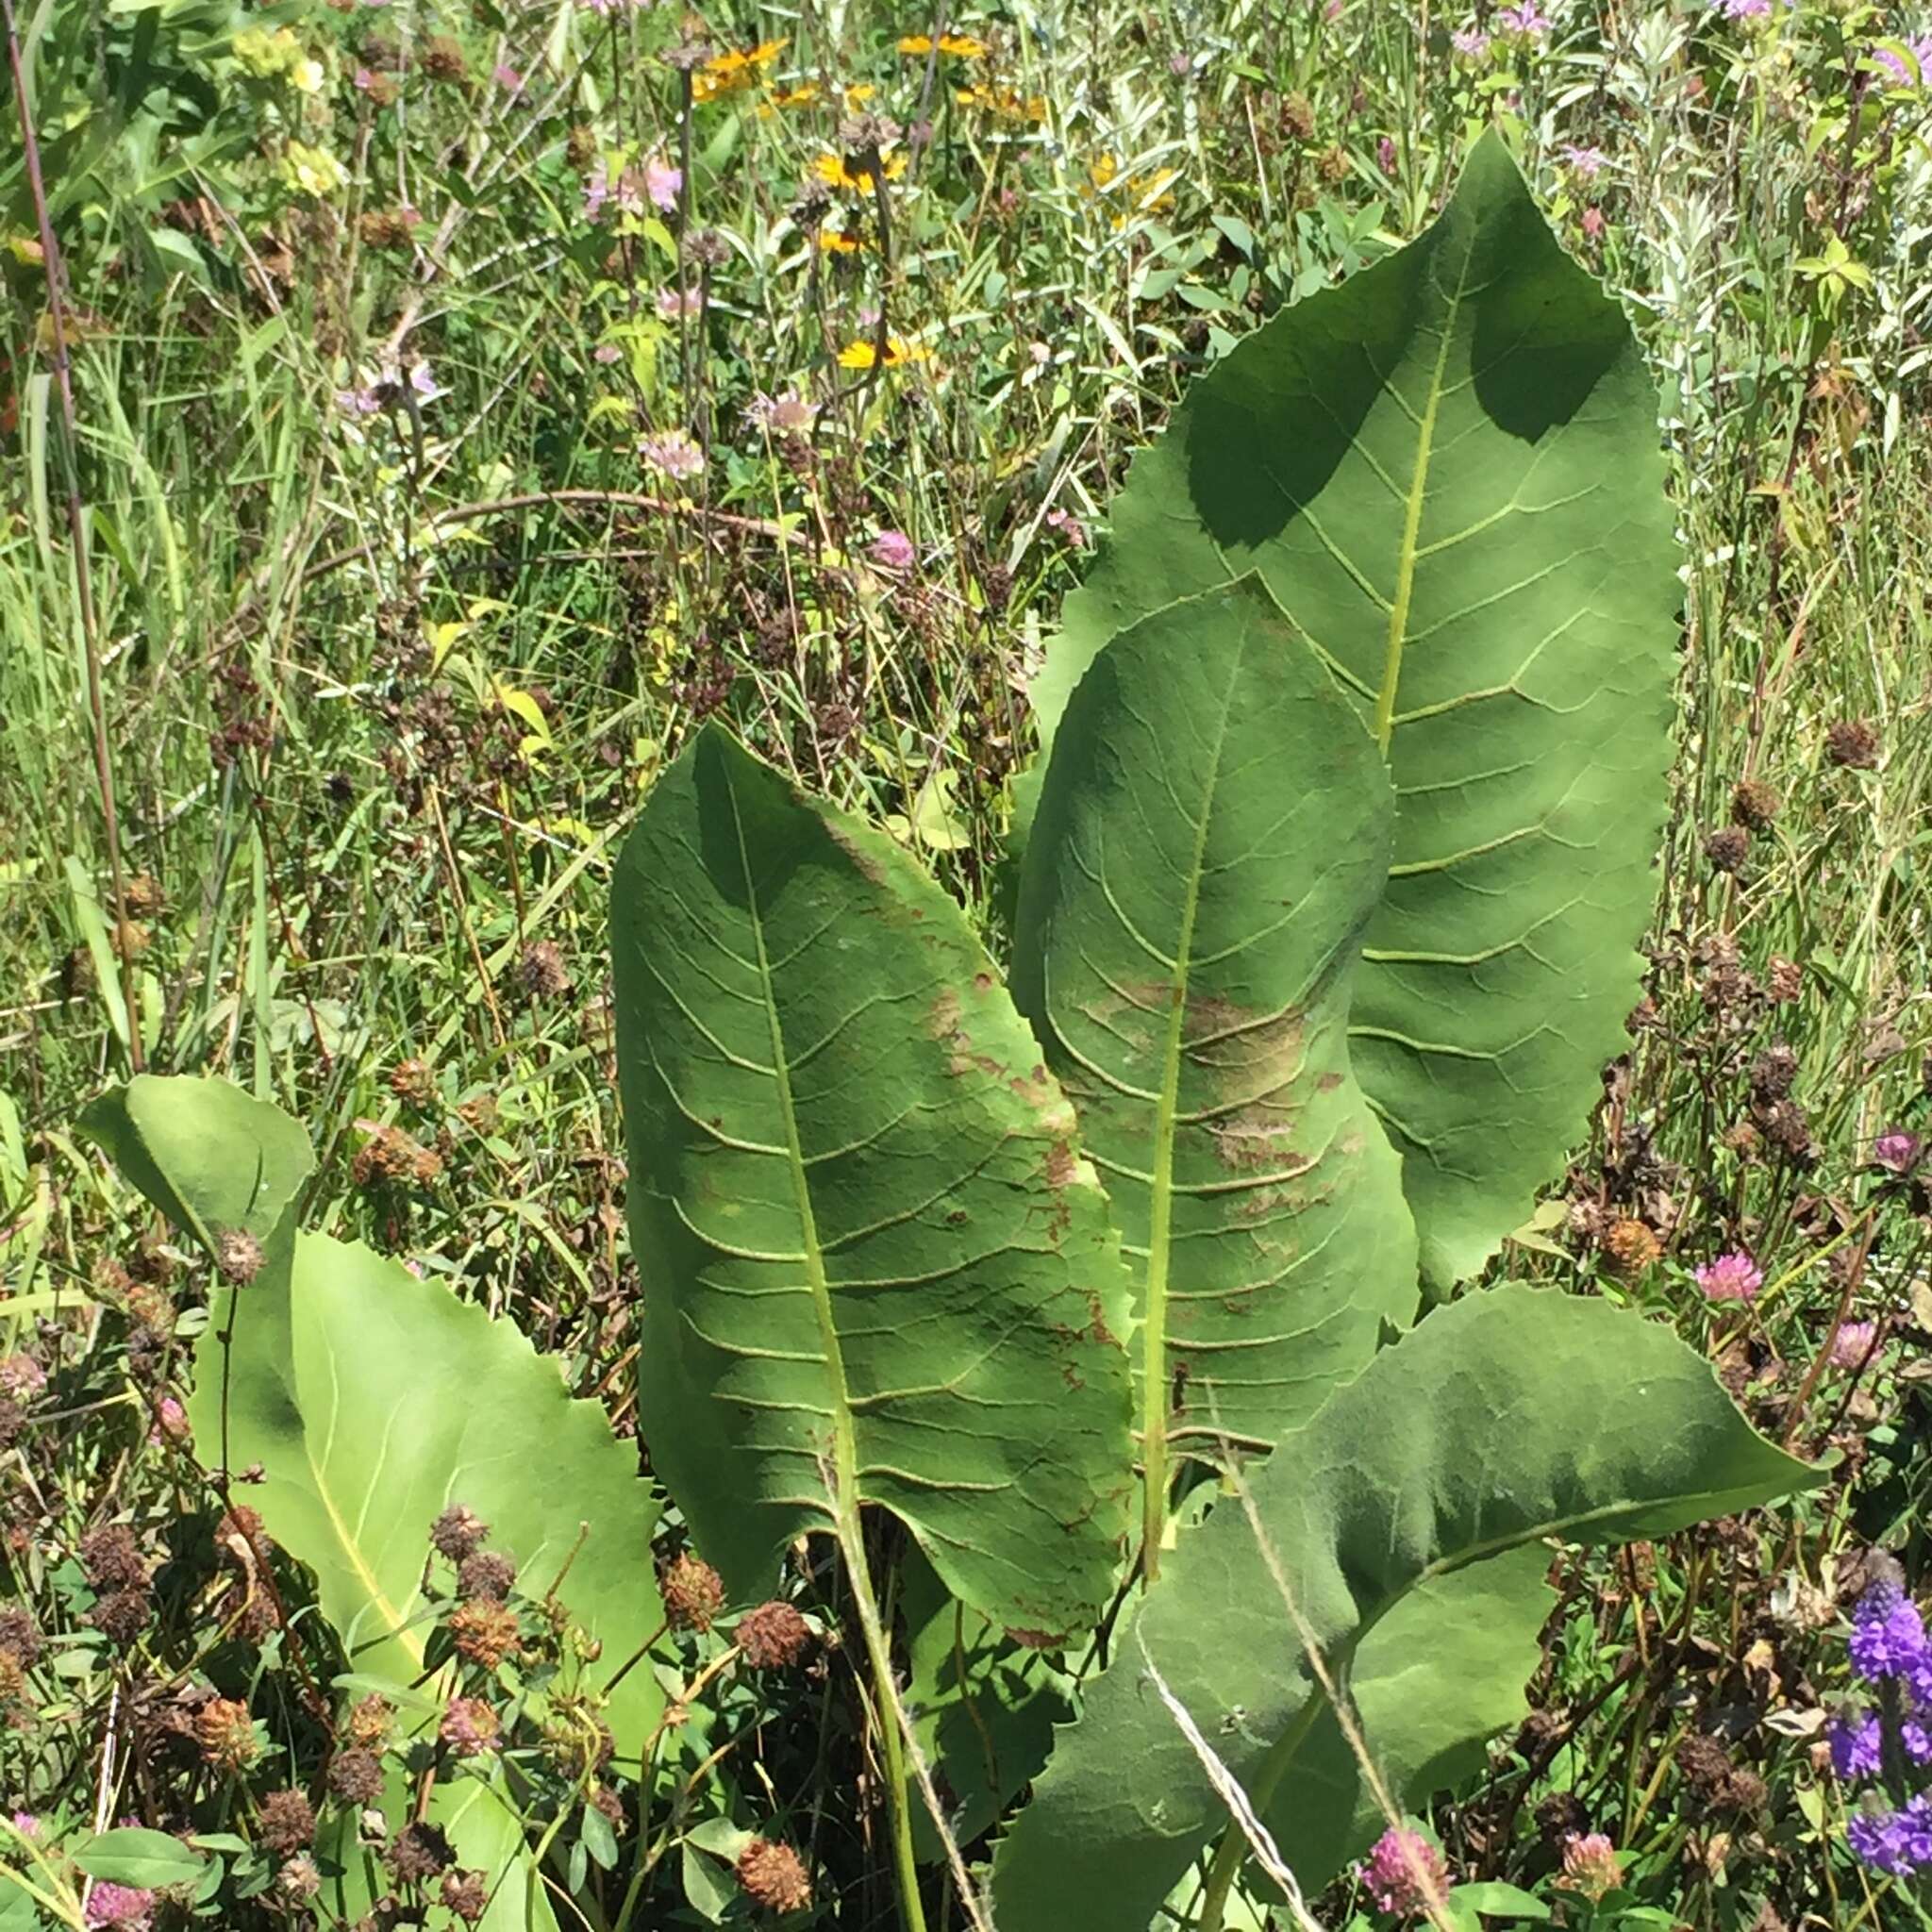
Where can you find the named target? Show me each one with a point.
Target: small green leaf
(136, 1856)
(1499, 1901)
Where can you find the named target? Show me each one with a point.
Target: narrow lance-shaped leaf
(1459, 1445)
(876, 1268)
(1447, 470)
(1212, 837)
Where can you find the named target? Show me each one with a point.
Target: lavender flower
(1896, 1150)
(1528, 19)
(1853, 1344)
(1900, 73)
(1403, 1870)
(358, 402)
(663, 183)
(788, 414)
(673, 303)
(1743, 9)
(1856, 1745)
(1888, 1635)
(1469, 41)
(893, 550)
(1733, 1277)
(673, 454)
(1899, 1841)
(1585, 162)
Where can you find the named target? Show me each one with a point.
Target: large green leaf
(371, 1399)
(1501, 1421)
(1212, 837)
(1448, 471)
(875, 1267)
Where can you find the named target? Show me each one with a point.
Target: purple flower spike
(1888, 1635)
(1856, 1745)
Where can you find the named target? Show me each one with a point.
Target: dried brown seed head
(774, 1876)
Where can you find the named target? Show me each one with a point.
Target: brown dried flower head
(287, 1822)
(369, 1722)
(489, 1573)
(238, 1255)
(1727, 848)
(1631, 1246)
(226, 1733)
(484, 1631)
(355, 1775)
(459, 1532)
(1754, 804)
(771, 1636)
(1851, 743)
(693, 1593)
(774, 1876)
(414, 1080)
(465, 1895)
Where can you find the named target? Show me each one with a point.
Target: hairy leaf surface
(873, 1261)
(1212, 837)
(1447, 470)
(1452, 1450)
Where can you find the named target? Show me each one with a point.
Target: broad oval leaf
(371, 1399)
(1212, 837)
(875, 1267)
(132, 1855)
(1452, 1450)
(1448, 471)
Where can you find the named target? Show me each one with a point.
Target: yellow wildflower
(832, 243)
(856, 95)
(313, 170)
(803, 95)
(1002, 103)
(836, 172)
(265, 54)
(307, 75)
(734, 69)
(961, 46)
(865, 355)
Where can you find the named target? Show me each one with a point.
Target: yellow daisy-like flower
(734, 69)
(857, 95)
(961, 46)
(1002, 103)
(832, 243)
(836, 172)
(803, 95)
(865, 355)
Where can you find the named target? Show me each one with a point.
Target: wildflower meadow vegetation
(965, 966)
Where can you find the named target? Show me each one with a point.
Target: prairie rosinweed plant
(490, 426)
(987, 1285)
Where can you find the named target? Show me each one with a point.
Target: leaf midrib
(1154, 1376)
(845, 1442)
(1412, 519)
